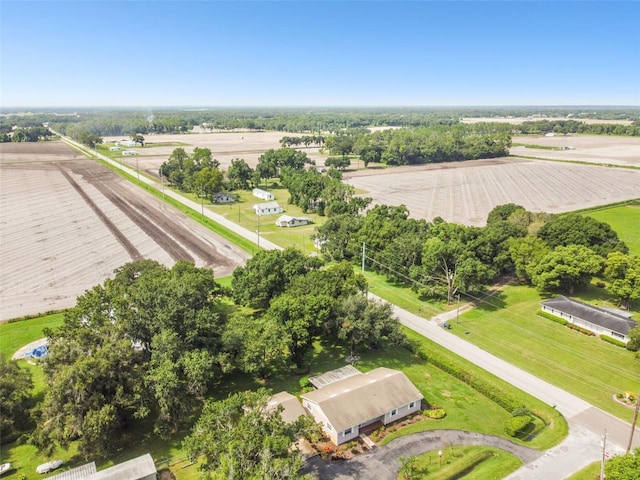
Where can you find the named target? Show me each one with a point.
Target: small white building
(130, 143)
(263, 194)
(267, 208)
(115, 149)
(288, 221)
(128, 153)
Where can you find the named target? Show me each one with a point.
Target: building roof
(292, 408)
(78, 473)
(590, 313)
(266, 205)
(363, 397)
(134, 469)
(327, 378)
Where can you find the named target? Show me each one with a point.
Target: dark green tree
(623, 467)
(566, 268)
(15, 391)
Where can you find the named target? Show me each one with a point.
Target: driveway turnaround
(383, 463)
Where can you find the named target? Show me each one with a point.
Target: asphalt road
(587, 423)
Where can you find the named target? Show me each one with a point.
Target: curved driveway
(587, 423)
(383, 463)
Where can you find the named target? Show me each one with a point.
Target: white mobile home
(263, 194)
(268, 208)
(129, 153)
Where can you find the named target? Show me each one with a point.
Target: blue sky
(305, 53)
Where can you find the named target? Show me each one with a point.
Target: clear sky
(326, 53)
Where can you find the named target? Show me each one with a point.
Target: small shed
(263, 194)
(223, 197)
(289, 221)
(267, 208)
(115, 149)
(129, 153)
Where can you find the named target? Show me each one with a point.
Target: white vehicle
(4, 468)
(49, 466)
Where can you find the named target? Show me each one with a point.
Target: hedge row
(515, 425)
(581, 330)
(614, 341)
(489, 390)
(547, 315)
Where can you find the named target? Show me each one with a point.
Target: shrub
(515, 425)
(520, 411)
(613, 341)
(304, 382)
(553, 318)
(580, 329)
(436, 413)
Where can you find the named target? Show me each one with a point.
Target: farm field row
(465, 192)
(67, 225)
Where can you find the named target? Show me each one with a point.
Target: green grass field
(507, 325)
(625, 220)
(464, 462)
(590, 472)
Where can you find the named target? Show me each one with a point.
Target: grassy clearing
(464, 462)
(625, 221)
(404, 297)
(15, 335)
(508, 327)
(242, 214)
(538, 147)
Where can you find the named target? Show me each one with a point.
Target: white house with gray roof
(347, 405)
(597, 320)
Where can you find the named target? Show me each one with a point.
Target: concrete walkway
(383, 463)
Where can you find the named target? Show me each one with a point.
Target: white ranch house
(346, 405)
(130, 143)
(267, 208)
(600, 321)
(263, 194)
(288, 221)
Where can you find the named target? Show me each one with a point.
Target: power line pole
(633, 424)
(363, 255)
(604, 446)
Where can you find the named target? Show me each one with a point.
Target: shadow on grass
(491, 303)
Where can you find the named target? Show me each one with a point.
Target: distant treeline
(317, 120)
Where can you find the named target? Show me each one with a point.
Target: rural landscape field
(69, 222)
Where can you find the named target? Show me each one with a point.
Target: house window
(616, 334)
(393, 413)
(412, 404)
(348, 431)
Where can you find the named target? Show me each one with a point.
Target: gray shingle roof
(364, 397)
(590, 313)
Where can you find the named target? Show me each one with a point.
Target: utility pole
(458, 309)
(633, 424)
(363, 255)
(258, 231)
(604, 446)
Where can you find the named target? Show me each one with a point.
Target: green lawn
(17, 334)
(507, 326)
(471, 462)
(590, 472)
(625, 220)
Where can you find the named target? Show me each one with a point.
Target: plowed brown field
(68, 222)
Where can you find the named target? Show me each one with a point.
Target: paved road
(586, 422)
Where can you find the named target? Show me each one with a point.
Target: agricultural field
(604, 149)
(68, 222)
(465, 192)
(225, 146)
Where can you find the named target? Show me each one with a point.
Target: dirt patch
(66, 225)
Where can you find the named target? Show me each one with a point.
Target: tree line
(24, 134)
(554, 253)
